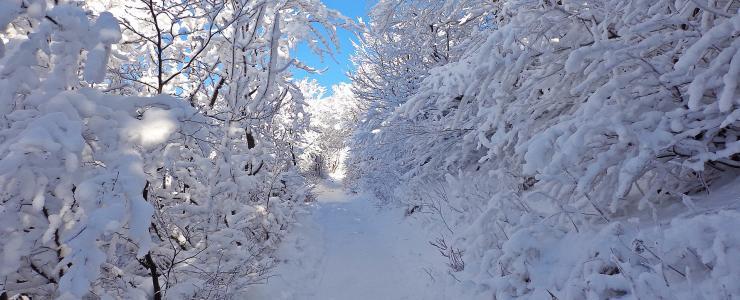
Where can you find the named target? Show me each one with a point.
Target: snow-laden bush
(682, 259)
(404, 41)
(608, 107)
(559, 119)
(73, 167)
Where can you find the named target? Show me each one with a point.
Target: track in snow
(347, 248)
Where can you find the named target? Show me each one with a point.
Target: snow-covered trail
(347, 248)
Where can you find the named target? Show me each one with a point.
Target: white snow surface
(346, 247)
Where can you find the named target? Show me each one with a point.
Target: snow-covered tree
(554, 118)
(403, 42)
(109, 194)
(228, 193)
(332, 122)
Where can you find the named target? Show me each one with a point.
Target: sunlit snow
(155, 127)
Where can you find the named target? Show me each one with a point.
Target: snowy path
(349, 249)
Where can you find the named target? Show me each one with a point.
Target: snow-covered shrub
(689, 258)
(404, 41)
(553, 120)
(604, 106)
(72, 166)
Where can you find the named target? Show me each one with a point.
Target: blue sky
(335, 70)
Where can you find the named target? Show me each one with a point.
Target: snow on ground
(348, 248)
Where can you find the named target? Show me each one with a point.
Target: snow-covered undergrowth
(561, 149)
(684, 250)
(132, 166)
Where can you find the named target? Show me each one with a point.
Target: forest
(478, 149)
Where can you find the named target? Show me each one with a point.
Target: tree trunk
(155, 276)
